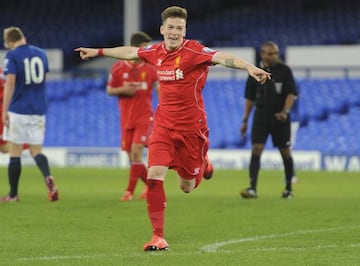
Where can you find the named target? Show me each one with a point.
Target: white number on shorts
(34, 70)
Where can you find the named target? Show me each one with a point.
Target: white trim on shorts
(29, 129)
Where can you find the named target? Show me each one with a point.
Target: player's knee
(257, 149)
(136, 153)
(187, 185)
(285, 152)
(186, 189)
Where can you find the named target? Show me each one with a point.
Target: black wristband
(244, 120)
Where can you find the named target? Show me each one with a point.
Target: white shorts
(29, 129)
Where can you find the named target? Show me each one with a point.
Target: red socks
(156, 203)
(137, 169)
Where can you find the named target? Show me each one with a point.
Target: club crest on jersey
(159, 62)
(177, 61)
(125, 75)
(143, 75)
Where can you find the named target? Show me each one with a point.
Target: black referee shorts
(265, 125)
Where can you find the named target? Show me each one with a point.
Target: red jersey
(135, 109)
(182, 75)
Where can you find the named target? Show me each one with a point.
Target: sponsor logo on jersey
(170, 75)
(179, 74)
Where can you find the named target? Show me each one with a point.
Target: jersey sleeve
(153, 75)
(201, 53)
(9, 65)
(114, 79)
(250, 89)
(148, 54)
(289, 83)
(46, 61)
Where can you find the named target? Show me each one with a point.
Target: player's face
(270, 55)
(173, 30)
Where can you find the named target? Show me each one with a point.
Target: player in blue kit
(24, 108)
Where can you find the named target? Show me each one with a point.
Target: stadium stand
(84, 115)
(217, 23)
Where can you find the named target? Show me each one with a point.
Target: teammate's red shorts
(182, 151)
(137, 135)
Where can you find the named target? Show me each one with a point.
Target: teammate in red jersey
(180, 135)
(133, 82)
(4, 146)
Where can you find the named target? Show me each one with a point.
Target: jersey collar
(177, 49)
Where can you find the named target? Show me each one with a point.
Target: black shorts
(265, 124)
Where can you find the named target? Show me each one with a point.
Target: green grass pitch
(210, 226)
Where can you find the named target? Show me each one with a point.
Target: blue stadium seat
(81, 114)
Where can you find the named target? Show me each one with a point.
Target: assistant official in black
(273, 101)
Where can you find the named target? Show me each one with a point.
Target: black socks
(254, 170)
(289, 171)
(14, 171)
(42, 163)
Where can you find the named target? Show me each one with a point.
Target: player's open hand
(86, 53)
(5, 119)
(258, 74)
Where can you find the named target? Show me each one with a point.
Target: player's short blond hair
(13, 34)
(174, 12)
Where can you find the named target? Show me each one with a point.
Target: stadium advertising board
(240, 159)
(340, 163)
(221, 159)
(88, 157)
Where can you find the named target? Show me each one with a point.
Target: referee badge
(278, 87)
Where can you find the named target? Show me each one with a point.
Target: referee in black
(273, 100)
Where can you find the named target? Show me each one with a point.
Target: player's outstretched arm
(121, 52)
(9, 89)
(233, 61)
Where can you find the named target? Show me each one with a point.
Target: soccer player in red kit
(133, 82)
(179, 139)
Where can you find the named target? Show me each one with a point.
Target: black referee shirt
(272, 94)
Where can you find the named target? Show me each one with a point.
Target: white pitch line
(215, 246)
(189, 253)
(212, 247)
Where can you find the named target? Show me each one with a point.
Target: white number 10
(34, 70)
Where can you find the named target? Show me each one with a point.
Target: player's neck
(19, 43)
